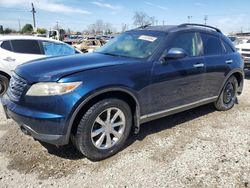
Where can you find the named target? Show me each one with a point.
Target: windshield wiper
(115, 55)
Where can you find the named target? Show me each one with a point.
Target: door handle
(229, 61)
(199, 65)
(9, 59)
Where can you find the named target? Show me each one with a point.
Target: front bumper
(247, 63)
(41, 126)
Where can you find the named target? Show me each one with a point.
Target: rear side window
(6, 45)
(212, 45)
(26, 46)
(57, 49)
(187, 42)
(228, 48)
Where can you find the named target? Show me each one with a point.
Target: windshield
(134, 45)
(248, 41)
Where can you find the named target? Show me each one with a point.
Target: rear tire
(104, 129)
(4, 83)
(228, 96)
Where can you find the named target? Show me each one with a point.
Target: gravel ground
(198, 148)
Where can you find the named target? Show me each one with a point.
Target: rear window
(6, 45)
(57, 49)
(212, 45)
(26, 46)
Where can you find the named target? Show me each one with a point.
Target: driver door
(178, 82)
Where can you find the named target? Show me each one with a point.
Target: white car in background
(16, 50)
(244, 50)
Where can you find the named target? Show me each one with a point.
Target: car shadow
(66, 152)
(169, 122)
(69, 152)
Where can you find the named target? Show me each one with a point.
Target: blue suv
(95, 100)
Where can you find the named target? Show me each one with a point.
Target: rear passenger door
(179, 82)
(217, 61)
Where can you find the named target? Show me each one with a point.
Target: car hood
(52, 69)
(246, 45)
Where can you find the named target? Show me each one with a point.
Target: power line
(4, 9)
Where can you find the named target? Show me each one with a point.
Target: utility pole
(163, 22)
(19, 23)
(156, 21)
(205, 19)
(189, 18)
(57, 25)
(33, 13)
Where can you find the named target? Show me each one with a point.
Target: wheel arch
(240, 78)
(5, 74)
(120, 93)
(239, 74)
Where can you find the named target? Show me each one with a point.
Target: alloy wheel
(229, 93)
(108, 128)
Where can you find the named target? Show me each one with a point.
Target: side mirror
(174, 53)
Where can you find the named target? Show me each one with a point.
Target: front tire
(228, 96)
(4, 83)
(104, 129)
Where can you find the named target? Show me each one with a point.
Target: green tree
(8, 31)
(41, 30)
(28, 28)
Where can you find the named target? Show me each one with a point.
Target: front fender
(99, 92)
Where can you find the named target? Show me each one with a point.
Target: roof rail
(200, 25)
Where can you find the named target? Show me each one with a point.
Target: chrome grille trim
(245, 55)
(16, 87)
(246, 50)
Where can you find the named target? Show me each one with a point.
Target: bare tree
(99, 27)
(107, 28)
(141, 19)
(152, 20)
(99, 24)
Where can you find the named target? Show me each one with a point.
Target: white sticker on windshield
(147, 38)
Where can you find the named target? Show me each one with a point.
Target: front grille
(16, 87)
(246, 50)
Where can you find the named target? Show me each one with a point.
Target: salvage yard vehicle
(244, 50)
(89, 45)
(96, 100)
(16, 50)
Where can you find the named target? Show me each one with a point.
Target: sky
(228, 15)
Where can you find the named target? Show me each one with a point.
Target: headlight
(52, 88)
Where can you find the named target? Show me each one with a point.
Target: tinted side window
(228, 48)
(212, 45)
(6, 45)
(186, 41)
(57, 49)
(26, 46)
